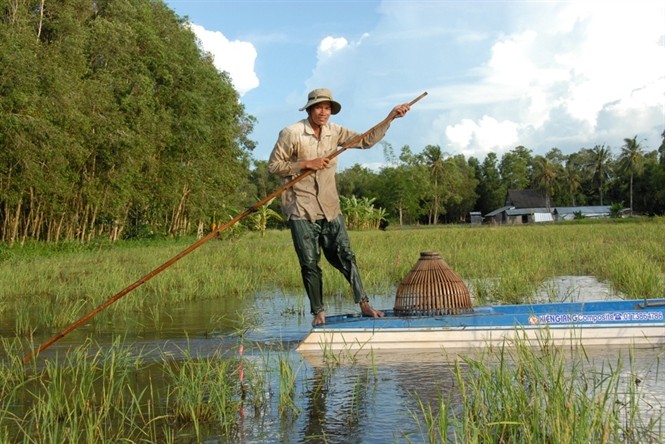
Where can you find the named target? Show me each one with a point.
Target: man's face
(320, 113)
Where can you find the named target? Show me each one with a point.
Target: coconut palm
(631, 160)
(571, 177)
(545, 173)
(661, 149)
(599, 166)
(433, 158)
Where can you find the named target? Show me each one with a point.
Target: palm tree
(545, 173)
(433, 157)
(600, 167)
(631, 160)
(571, 177)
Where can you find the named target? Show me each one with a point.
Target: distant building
(515, 216)
(476, 217)
(569, 213)
(529, 206)
(522, 207)
(497, 216)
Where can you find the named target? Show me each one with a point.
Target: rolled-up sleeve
(316, 194)
(368, 140)
(283, 159)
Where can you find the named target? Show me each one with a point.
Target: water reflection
(335, 403)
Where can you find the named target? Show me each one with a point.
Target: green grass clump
(528, 393)
(111, 394)
(204, 391)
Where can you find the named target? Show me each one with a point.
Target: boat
(433, 310)
(639, 323)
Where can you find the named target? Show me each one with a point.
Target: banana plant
(261, 217)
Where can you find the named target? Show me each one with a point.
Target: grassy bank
(49, 287)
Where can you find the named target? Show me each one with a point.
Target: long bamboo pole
(204, 239)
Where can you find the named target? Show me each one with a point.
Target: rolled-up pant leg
(305, 236)
(337, 250)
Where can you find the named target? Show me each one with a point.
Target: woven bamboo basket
(432, 288)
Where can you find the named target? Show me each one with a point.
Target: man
(312, 206)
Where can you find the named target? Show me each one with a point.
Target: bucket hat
(321, 95)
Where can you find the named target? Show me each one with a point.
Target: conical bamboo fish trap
(432, 288)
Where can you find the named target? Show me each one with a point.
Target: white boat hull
(592, 324)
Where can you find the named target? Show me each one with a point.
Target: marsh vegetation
(148, 370)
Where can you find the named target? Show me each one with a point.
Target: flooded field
(360, 398)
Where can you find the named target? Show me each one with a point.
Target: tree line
(433, 187)
(114, 124)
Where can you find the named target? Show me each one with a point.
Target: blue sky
(499, 74)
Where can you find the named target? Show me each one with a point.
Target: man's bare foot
(319, 318)
(367, 310)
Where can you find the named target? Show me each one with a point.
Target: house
(497, 216)
(522, 206)
(476, 217)
(529, 206)
(514, 216)
(568, 213)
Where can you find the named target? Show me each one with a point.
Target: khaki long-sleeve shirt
(314, 197)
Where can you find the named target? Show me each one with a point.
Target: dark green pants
(309, 238)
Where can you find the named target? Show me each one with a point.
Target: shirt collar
(325, 129)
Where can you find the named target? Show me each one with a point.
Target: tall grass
(84, 397)
(102, 395)
(205, 391)
(432, 421)
(526, 394)
(506, 264)
(523, 395)
(287, 386)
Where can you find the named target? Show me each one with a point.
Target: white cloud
(582, 72)
(331, 45)
(333, 70)
(511, 64)
(499, 74)
(235, 57)
(477, 138)
(618, 52)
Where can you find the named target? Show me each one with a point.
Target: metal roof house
(568, 213)
(475, 217)
(522, 207)
(512, 215)
(529, 206)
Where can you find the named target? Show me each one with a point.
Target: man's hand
(400, 110)
(316, 164)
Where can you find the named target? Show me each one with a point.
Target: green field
(50, 286)
(116, 391)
